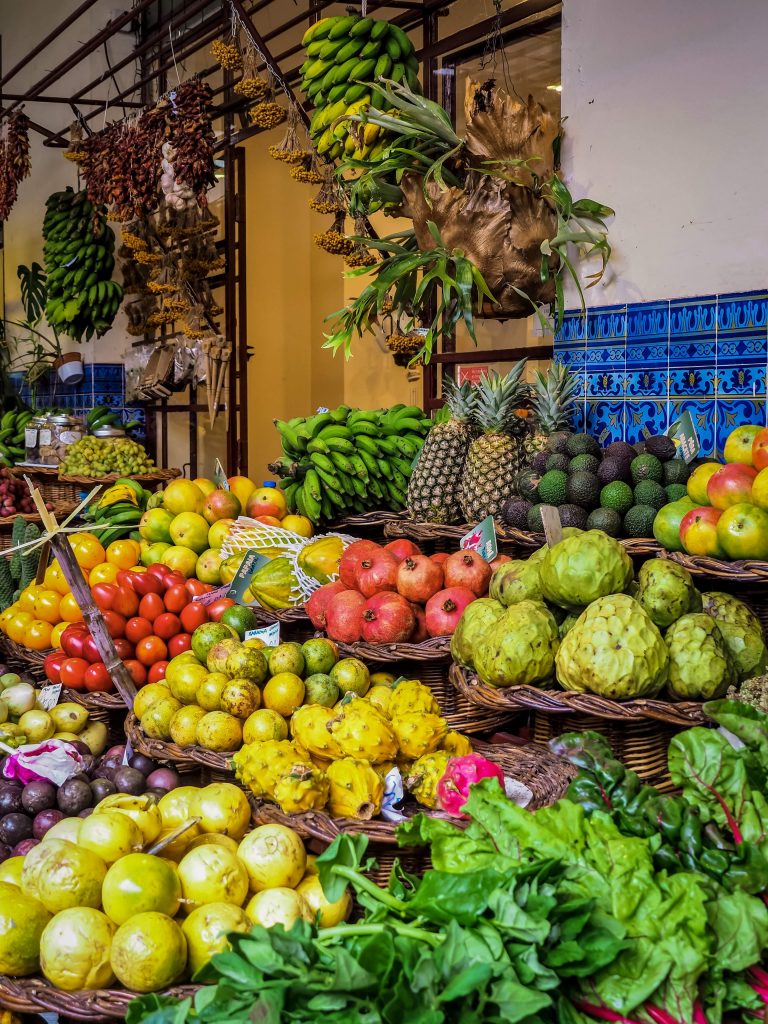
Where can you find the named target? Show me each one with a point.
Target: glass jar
(65, 431)
(32, 439)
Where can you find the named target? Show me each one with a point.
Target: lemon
(212, 874)
(75, 950)
(274, 857)
(149, 952)
(206, 930)
(140, 883)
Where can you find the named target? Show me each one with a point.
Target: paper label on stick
(683, 433)
(212, 595)
(128, 752)
(220, 477)
(482, 539)
(48, 697)
(269, 634)
(252, 561)
(553, 528)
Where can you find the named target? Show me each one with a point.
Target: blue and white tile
(605, 384)
(692, 350)
(607, 324)
(703, 414)
(692, 380)
(745, 311)
(605, 420)
(651, 383)
(609, 357)
(573, 329)
(647, 320)
(693, 316)
(736, 412)
(747, 381)
(642, 416)
(573, 358)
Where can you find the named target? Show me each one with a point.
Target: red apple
(760, 449)
(731, 485)
(698, 532)
(266, 501)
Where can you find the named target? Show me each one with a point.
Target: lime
(139, 883)
(241, 619)
(320, 689)
(75, 950)
(149, 952)
(206, 930)
(320, 655)
(286, 658)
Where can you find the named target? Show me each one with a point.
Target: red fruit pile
(14, 495)
(395, 594)
(149, 615)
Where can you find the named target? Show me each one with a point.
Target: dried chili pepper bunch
(227, 55)
(335, 241)
(15, 164)
(192, 137)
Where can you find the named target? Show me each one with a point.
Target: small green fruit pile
(94, 456)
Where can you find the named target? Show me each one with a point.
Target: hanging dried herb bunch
(14, 160)
(330, 198)
(267, 115)
(75, 151)
(290, 150)
(308, 172)
(361, 255)
(404, 347)
(252, 85)
(227, 55)
(335, 241)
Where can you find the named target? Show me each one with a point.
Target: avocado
(622, 449)
(675, 491)
(587, 462)
(535, 524)
(648, 492)
(646, 467)
(615, 467)
(558, 442)
(515, 513)
(552, 487)
(540, 462)
(527, 484)
(573, 515)
(583, 489)
(638, 522)
(676, 471)
(639, 447)
(606, 519)
(582, 444)
(661, 446)
(557, 461)
(617, 496)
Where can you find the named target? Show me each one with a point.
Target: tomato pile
(150, 615)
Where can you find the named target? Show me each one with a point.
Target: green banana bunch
(12, 427)
(79, 260)
(349, 460)
(102, 416)
(344, 55)
(118, 511)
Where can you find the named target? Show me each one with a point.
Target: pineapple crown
(498, 398)
(460, 399)
(554, 398)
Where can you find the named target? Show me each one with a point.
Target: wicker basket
(564, 702)
(295, 624)
(738, 574)
(46, 479)
(437, 649)
(367, 525)
(105, 701)
(637, 547)
(37, 996)
(157, 476)
(184, 757)
(546, 775)
(433, 537)
(61, 510)
(31, 660)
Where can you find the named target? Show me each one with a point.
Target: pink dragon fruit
(462, 773)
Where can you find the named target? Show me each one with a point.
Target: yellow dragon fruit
(456, 744)
(303, 788)
(410, 696)
(356, 791)
(418, 734)
(362, 731)
(259, 764)
(309, 728)
(320, 558)
(425, 774)
(380, 697)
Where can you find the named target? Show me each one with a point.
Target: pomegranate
(459, 777)
(499, 560)
(468, 569)
(344, 617)
(420, 633)
(387, 619)
(402, 548)
(418, 578)
(377, 571)
(440, 557)
(317, 603)
(444, 609)
(351, 558)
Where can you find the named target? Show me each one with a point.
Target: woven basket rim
(154, 477)
(524, 538)
(105, 701)
(685, 713)
(377, 517)
(34, 658)
(162, 750)
(36, 995)
(435, 649)
(417, 530)
(748, 570)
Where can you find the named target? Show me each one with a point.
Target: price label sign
(269, 634)
(220, 477)
(48, 697)
(683, 433)
(482, 539)
(251, 563)
(212, 595)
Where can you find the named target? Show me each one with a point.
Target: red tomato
(73, 639)
(176, 598)
(115, 624)
(52, 666)
(174, 577)
(180, 643)
(72, 672)
(195, 587)
(159, 570)
(151, 649)
(166, 625)
(123, 647)
(103, 594)
(193, 615)
(157, 672)
(90, 650)
(147, 583)
(97, 679)
(136, 671)
(217, 608)
(150, 606)
(126, 602)
(137, 628)
(124, 578)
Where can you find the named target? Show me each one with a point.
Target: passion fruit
(240, 697)
(75, 950)
(111, 835)
(326, 914)
(10, 870)
(208, 693)
(212, 874)
(149, 952)
(62, 875)
(22, 921)
(264, 724)
(183, 726)
(149, 695)
(274, 857)
(214, 839)
(178, 806)
(139, 883)
(278, 906)
(156, 720)
(206, 930)
(223, 807)
(142, 809)
(67, 828)
(219, 731)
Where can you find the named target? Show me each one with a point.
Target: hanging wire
(496, 52)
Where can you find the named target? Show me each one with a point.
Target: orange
(17, 626)
(47, 604)
(56, 634)
(124, 553)
(55, 579)
(104, 572)
(88, 549)
(38, 635)
(69, 610)
(26, 602)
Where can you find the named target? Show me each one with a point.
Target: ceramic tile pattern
(643, 364)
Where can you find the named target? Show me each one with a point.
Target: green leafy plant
(27, 348)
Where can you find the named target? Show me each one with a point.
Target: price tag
(220, 477)
(269, 634)
(482, 539)
(128, 753)
(48, 697)
(212, 595)
(683, 433)
(252, 561)
(553, 528)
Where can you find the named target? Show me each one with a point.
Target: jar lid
(108, 431)
(62, 419)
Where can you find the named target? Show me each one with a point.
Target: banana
(370, 463)
(330, 481)
(385, 470)
(316, 423)
(319, 30)
(343, 26)
(321, 462)
(340, 445)
(341, 462)
(335, 432)
(361, 470)
(366, 445)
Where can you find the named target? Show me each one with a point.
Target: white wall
(668, 124)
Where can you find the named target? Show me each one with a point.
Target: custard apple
(581, 569)
(741, 631)
(520, 648)
(614, 650)
(700, 664)
(516, 581)
(476, 620)
(568, 531)
(666, 590)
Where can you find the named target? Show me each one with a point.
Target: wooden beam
(491, 355)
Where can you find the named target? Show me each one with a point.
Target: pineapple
(553, 403)
(494, 458)
(433, 489)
